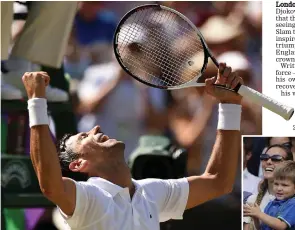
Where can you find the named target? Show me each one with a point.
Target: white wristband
(229, 117)
(38, 112)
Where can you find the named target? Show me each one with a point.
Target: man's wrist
(237, 101)
(38, 112)
(37, 95)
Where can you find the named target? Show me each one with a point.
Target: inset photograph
(268, 183)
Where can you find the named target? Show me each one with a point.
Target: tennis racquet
(162, 48)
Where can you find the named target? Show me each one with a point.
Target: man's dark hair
(66, 155)
(248, 144)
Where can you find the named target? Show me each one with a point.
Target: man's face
(269, 165)
(96, 148)
(283, 189)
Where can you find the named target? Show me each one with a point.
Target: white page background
(273, 125)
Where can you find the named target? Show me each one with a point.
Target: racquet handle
(260, 99)
(284, 111)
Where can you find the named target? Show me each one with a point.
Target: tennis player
(111, 199)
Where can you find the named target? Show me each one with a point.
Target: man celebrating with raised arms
(111, 199)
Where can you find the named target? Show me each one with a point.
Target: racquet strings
(159, 47)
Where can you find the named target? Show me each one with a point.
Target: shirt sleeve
(91, 205)
(288, 214)
(170, 196)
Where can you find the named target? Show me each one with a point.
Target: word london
(285, 4)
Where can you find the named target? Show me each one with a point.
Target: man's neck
(120, 176)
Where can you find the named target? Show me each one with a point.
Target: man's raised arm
(44, 157)
(219, 176)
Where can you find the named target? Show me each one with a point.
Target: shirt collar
(110, 187)
(276, 201)
(282, 201)
(138, 187)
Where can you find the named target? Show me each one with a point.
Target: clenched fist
(35, 84)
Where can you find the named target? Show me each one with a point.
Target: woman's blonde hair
(261, 191)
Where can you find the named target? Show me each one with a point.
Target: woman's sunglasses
(274, 158)
(287, 145)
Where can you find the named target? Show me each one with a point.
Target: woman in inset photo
(270, 158)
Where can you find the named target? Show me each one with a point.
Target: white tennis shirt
(102, 205)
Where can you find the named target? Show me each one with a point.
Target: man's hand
(251, 210)
(35, 84)
(228, 78)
